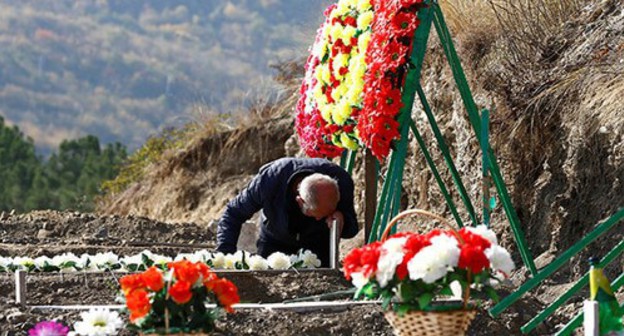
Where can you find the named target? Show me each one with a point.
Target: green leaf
(424, 300)
(146, 260)
(491, 292)
(446, 291)
(386, 302)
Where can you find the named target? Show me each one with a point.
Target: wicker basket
(421, 323)
(430, 323)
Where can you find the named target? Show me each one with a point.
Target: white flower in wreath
(160, 259)
(41, 262)
(202, 255)
(67, 262)
(484, 232)
(98, 322)
(309, 259)
(390, 257)
(217, 260)
(86, 264)
(279, 261)
(186, 256)
(229, 261)
(500, 259)
(23, 263)
(257, 263)
(434, 261)
(359, 280)
(105, 260)
(5, 263)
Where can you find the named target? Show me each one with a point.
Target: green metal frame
(389, 200)
(556, 264)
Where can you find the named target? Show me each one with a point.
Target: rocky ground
(50, 233)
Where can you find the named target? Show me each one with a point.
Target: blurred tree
(69, 179)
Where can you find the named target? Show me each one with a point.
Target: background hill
(122, 70)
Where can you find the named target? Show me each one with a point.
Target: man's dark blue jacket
(283, 227)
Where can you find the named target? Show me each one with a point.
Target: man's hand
(339, 217)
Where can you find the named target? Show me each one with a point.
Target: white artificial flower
(279, 261)
(86, 264)
(484, 232)
(242, 257)
(358, 279)
(188, 256)
(202, 255)
(390, 256)
(160, 259)
(434, 261)
(457, 290)
(5, 263)
(23, 263)
(105, 260)
(136, 259)
(41, 262)
(229, 261)
(67, 262)
(218, 259)
(500, 259)
(98, 322)
(257, 263)
(309, 259)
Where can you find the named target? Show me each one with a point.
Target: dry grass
(525, 25)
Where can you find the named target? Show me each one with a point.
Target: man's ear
(299, 201)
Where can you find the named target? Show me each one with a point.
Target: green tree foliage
(69, 179)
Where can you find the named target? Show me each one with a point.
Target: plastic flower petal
(500, 259)
(98, 322)
(257, 263)
(48, 328)
(279, 261)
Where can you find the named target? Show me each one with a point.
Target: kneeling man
(299, 199)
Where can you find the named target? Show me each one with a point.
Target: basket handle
(407, 213)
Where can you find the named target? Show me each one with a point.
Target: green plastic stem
(485, 144)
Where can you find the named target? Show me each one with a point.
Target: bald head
(318, 195)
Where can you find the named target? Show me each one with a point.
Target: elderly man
(299, 199)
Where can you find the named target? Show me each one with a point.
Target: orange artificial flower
(204, 270)
(185, 270)
(138, 304)
(181, 292)
(153, 279)
(131, 282)
(226, 292)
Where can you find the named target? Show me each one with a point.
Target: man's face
(327, 203)
(325, 208)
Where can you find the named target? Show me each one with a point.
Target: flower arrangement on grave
(109, 261)
(94, 322)
(412, 273)
(351, 93)
(175, 300)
